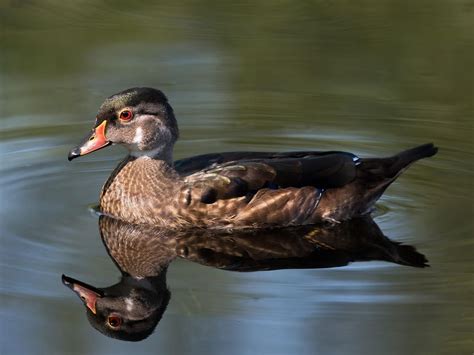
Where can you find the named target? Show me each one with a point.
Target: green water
(370, 77)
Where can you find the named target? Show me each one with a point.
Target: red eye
(114, 321)
(126, 115)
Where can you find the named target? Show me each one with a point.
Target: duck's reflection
(131, 309)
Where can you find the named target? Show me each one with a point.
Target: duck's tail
(387, 170)
(376, 174)
(402, 160)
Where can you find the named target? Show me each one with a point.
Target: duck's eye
(114, 321)
(126, 115)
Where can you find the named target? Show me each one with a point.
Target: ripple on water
(45, 222)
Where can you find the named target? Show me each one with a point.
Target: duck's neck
(164, 153)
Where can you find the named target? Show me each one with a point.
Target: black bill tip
(67, 281)
(75, 153)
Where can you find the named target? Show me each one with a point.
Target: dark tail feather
(407, 255)
(405, 158)
(378, 173)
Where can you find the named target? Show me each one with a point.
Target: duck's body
(255, 190)
(228, 190)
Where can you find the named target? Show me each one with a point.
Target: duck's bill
(94, 141)
(87, 293)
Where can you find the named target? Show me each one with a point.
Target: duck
(229, 190)
(132, 308)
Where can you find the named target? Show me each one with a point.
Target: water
(371, 78)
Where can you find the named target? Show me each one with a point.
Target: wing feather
(256, 171)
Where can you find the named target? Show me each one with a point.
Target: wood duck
(227, 190)
(131, 309)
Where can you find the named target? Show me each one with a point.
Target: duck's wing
(191, 165)
(245, 177)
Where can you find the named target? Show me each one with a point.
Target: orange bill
(94, 141)
(87, 293)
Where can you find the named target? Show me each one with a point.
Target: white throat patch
(137, 139)
(129, 304)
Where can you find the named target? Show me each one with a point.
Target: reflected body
(131, 309)
(227, 190)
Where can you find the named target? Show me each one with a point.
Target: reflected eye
(114, 321)
(126, 115)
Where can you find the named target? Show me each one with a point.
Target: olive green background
(370, 77)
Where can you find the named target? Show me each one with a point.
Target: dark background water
(371, 77)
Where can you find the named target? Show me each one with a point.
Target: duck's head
(129, 310)
(141, 119)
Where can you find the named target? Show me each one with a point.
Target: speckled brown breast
(143, 191)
